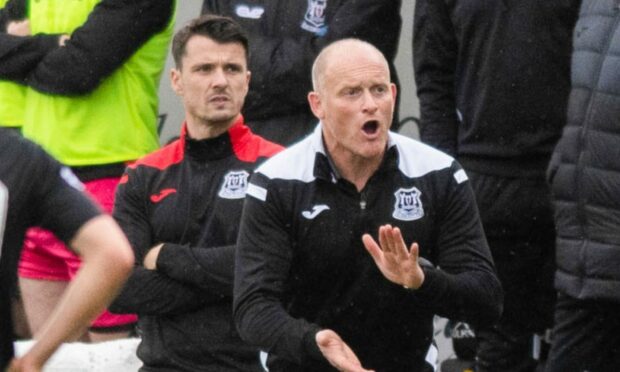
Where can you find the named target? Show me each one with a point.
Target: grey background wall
(170, 105)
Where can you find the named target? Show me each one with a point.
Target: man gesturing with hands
(306, 291)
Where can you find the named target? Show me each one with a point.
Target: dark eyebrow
(200, 66)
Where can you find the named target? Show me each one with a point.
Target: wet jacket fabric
(189, 196)
(585, 168)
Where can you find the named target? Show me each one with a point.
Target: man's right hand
(19, 28)
(27, 363)
(337, 352)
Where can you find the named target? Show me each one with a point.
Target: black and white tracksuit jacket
(189, 196)
(301, 265)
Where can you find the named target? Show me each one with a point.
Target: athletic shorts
(45, 257)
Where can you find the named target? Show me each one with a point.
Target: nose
(369, 103)
(219, 78)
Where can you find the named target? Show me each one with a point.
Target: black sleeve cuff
(167, 259)
(310, 345)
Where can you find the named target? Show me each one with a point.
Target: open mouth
(370, 127)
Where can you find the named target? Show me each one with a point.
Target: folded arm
(114, 30)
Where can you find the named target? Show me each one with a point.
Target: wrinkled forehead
(350, 72)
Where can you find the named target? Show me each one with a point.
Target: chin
(372, 153)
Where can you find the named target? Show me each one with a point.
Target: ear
(394, 91)
(316, 105)
(175, 81)
(247, 81)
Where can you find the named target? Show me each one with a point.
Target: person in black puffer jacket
(585, 176)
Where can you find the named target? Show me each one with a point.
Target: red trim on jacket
(247, 146)
(166, 156)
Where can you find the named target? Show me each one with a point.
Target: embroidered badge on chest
(408, 206)
(314, 20)
(234, 186)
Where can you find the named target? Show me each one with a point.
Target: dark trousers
(586, 336)
(517, 218)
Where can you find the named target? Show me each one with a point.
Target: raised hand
(391, 256)
(337, 352)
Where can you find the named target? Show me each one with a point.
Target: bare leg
(40, 297)
(20, 323)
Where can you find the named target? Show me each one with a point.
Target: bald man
(353, 239)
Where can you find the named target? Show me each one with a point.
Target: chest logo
(316, 210)
(408, 206)
(251, 12)
(314, 19)
(234, 186)
(156, 198)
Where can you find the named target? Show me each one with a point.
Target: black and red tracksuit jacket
(188, 196)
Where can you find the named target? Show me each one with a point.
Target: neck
(201, 129)
(356, 169)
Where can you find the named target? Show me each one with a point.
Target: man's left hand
(395, 262)
(150, 260)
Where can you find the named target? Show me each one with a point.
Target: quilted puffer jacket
(585, 168)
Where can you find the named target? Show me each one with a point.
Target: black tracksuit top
(493, 78)
(188, 195)
(301, 264)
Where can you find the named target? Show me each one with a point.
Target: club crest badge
(408, 206)
(234, 186)
(314, 20)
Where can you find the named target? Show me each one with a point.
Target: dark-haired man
(180, 208)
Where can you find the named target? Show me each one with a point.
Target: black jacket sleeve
(20, 55)
(114, 30)
(147, 291)
(463, 284)
(262, 265)
(435, 55)
(210, 269)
